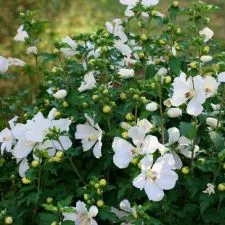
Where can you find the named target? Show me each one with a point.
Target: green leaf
(188, 130)
(175, 65)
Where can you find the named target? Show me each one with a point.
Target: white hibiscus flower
(192, 90)
(91, 135)
(71, 50)
(125, 151)
(82, 216)
(4, 65)
(21, 34)
(117, 29)
(7, 140)
(210, 85)
(88, 83)
(60, 94)
(207, 34)
(154, 178)
(221, 77)
(126, 73)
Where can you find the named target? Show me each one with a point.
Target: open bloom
(21, 34)
(82, 216)
(71, 50)
(7, 140)
(3, 64)
(125, 151)
(206, 33)
(221, 77)
(154, 178)
(126, 73)
(210, 189)
(60, 94)
(91, 135)
(116, 29)
(192, 90)
(88, 83)
(210, 86)
(125, 212)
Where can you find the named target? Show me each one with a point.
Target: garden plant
(124, 125)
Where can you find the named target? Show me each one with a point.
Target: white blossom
(210, 189)
(82, 216)
(4, 64)
(16, 62)
(191, 90)
(212, 122)
(91, 135)
(221, 77)
(60, 94)
(88, 83)
(154, 178)
(152, 106)
(174, 112)
(21, 34)
(124, 151)
(206, 58)
(32, 50)
(207, 34)
(126, 73)
(71, 50)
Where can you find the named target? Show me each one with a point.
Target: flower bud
(103, 182)
(100, 203)
(175, 4)
(54, 223)
(185, 170)
(162, 42)
(97, 185)
(167, 79)
(151, 107)
(135, 96)
(95, 98)
(206, 58)
(59, 154)
(49, 200)
(85, 105)
(134, 161)
(99, 191)
(193, 65)
(86, 197)
(34, 163)
(105, 92)
(106, 109)
(8, 220)
(221, 187)
(206, 49)
(123, 96)
(174, 112)
(65, 104)
(125, 134)
(57, 114)
(144, 37)
(25, 180)
(129, 117)
(167, 102)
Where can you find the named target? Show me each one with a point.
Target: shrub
(127, 126)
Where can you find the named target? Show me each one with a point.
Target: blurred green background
(67, 17)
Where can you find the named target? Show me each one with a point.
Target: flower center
(208, 90)
(6, 138)
(84, 219)
(151, 174)
(93, 138)
(136, 150)
(190, 94)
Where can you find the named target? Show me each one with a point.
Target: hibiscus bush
(127, 126)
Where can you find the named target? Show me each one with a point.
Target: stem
(72, 164)
(135, 113)
(75, 169)
(194, 142)
(221, 108)
(161, 113)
